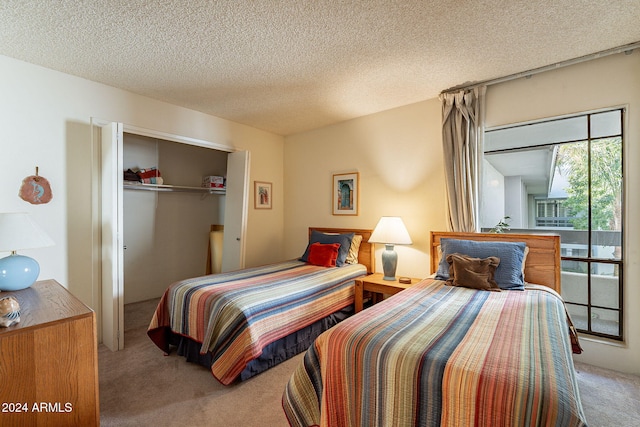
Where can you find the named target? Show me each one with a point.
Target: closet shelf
(173, 188)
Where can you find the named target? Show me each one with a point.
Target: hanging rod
(627, 49)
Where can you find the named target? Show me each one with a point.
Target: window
(564, 175)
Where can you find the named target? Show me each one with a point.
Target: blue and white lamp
(18, 232)
(390, 231)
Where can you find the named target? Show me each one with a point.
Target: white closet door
(112, 253)
(235, 211)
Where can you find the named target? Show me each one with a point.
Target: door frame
(100, 186)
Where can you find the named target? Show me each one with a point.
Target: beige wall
(398, 154)
(45, 121)
(612, 81)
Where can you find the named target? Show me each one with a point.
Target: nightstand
(376, 284)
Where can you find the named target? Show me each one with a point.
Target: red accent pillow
(324, 255)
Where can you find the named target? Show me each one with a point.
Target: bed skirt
(273, 354)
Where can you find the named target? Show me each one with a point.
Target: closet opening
(164, 227)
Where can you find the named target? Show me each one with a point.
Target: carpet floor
(139, 386)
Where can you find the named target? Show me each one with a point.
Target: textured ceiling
(290, 66)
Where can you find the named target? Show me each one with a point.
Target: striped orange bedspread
(235, 315)
(436, 355)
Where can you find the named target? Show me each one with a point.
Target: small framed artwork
(262, 195)
(345, 193)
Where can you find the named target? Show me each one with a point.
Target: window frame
(589, 259)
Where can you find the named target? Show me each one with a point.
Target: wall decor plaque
(36, 189)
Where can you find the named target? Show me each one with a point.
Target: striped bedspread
(439, 355)
(235, 315)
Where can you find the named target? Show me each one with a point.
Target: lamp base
(389, 262)
(18, 272)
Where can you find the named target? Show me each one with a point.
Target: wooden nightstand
(376, 284)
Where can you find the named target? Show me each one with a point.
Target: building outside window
(564, 176)
(552, 213)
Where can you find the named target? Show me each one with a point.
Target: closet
(166, 227)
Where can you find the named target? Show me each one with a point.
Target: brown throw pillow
(474, 273)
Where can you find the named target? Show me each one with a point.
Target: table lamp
(17, 232)
(390, 231)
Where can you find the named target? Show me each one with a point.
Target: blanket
(440, 355)
(235, 315)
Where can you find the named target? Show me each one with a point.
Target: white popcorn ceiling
(291, 66)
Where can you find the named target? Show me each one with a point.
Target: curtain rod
(627, 49)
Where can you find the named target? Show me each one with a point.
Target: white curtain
(462, 120)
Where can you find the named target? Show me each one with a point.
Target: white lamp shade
(391, 230)
(18, 231)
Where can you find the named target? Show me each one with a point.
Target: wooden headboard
(542, 265)
(366, 254)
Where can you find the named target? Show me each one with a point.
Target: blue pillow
(344, 240)
(508, 275)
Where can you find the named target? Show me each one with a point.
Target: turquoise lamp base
(18, 272)
(389, 262)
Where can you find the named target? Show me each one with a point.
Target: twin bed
(437, 354)
(434, 354)
(241, 323)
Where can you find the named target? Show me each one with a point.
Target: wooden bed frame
(366, 254)
(542, 265)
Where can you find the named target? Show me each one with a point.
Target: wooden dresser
(49, 361)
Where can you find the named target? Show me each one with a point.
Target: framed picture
(262, 195)
(345, 193)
